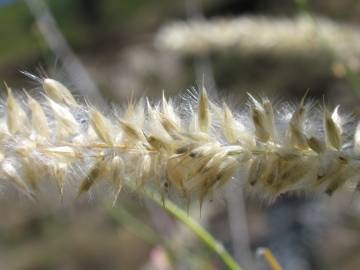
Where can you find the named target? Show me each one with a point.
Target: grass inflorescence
(188, 149)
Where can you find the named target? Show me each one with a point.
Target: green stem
(196, 228)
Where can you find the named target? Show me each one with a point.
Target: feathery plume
(156, 144)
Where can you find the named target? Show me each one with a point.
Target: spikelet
(39, 121)
(58, 92)
(316, 145)
(153, 144)
(101, 126)
(168, 118)
(11, 174)
(295, 134)
(229, 125)
(94, 175)
(65, 121)
(203, 112)
(30, 172)
(131, 131)
(332, 127)
(15, 116)
(57, 170)
(262, 119)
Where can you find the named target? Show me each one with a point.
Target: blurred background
(110, 50)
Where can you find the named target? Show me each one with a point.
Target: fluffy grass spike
(192, 154)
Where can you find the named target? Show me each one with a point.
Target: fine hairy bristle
(185, 155)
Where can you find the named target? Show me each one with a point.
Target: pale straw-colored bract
(188, 149)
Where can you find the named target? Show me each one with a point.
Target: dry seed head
(154, 145)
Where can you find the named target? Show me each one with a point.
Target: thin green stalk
(214, 245)
(197, 229)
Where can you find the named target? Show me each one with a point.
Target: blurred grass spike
(314, 35)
